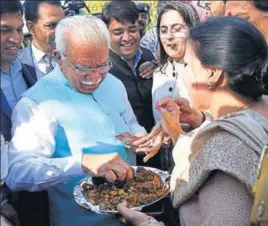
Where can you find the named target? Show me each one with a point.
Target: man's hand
(147, 69)
(111, 166)
(152, 146)
(187, 114)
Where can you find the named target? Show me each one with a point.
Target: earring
(209, 85)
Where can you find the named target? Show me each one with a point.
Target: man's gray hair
(87, 28)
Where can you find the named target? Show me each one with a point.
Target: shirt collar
(37, 53)
(137, 58)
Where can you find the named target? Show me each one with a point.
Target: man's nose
(126, 36)
(15, 37)
(94, 75)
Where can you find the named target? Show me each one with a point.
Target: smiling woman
(174, 21)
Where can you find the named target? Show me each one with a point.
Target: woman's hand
(170, 117)
(188, 115)
(135, 217)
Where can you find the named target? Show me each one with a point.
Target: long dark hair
(238, 48)
(189, 15)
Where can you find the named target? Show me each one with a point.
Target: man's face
(81, 57)
(125, 38)
(11, 35)
(43, 30)
(144, 19)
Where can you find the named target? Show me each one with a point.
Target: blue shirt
(150, 40)
(13, 83)
(137, 59)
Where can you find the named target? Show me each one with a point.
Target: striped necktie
(48, 61)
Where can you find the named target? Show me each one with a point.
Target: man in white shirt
(41, 20)
(65, 125)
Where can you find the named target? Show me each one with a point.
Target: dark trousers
(33, 208)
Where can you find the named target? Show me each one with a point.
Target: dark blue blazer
(28, 73)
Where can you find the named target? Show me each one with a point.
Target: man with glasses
(133, 65)
(65, 127)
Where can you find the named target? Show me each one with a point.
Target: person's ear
(30, 26)
(214, 77)
(58, 56)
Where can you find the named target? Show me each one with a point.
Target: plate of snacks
(148, 186)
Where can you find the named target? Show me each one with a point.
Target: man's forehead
(9, 19)
(114, 24)
(10, 15)
(87, 54)
(50, 12)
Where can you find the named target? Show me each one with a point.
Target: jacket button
(174, 74)
(170, 89)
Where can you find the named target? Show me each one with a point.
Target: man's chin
(10, 57)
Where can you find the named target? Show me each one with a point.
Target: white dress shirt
(168, 83)
(33, 144)
(39, 62)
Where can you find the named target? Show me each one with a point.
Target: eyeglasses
(85, 71)
(179, 31)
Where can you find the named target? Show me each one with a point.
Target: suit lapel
(29, 75)
(25, 55)
(5, 107)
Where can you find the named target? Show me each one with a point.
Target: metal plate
(82, 200)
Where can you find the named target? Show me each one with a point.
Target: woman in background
(174, 21)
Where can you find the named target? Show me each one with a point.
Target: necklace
(233, 113)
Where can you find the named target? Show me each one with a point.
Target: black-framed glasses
(85, 71)
(178, 31)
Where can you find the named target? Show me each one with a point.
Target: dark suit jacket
(29, 75)
(32, 207)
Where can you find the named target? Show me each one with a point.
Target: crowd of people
(83, 80)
